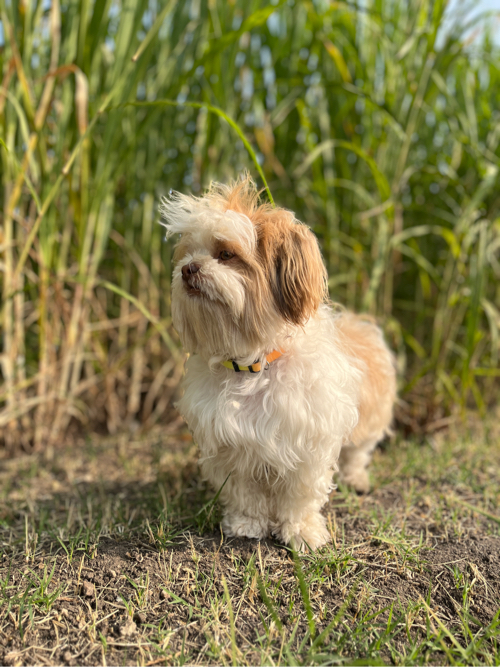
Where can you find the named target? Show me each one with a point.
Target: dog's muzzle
(189, 277)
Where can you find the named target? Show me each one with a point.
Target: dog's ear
(299, 283)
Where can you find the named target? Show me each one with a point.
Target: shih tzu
(280, 389)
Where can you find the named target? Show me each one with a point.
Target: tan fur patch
(287, 251)
(363, 341)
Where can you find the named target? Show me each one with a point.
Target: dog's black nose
(189, 270)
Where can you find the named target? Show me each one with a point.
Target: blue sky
(474, 9)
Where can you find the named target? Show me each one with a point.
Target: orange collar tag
(255, 367)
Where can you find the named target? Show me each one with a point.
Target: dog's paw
(310, 533)
(237, 524)
(356, 479)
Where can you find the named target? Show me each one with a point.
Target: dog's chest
(278, 419)
(239, 411)
(231, 410)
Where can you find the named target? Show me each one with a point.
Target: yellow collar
(256, 367)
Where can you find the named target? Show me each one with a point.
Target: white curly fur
(272, 439)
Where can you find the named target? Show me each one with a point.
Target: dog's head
(243, 270)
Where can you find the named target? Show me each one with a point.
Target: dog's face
(243, 271)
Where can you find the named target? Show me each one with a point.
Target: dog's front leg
(245, 504)
(296, 503)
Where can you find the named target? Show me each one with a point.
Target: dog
(281, 388)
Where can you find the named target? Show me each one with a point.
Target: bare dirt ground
(110, 553)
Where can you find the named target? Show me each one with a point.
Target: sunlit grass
(410, 576)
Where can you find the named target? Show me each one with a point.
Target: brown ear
(299, 285)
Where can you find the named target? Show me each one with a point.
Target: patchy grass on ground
(110, 553)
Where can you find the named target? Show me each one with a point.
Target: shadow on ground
(111, 552)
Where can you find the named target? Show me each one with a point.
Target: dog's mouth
(192, 285)
(192, 290)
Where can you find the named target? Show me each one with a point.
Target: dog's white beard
(208, 323)
(205, 328)
(212, 324)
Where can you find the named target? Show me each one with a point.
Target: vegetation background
(377, 126)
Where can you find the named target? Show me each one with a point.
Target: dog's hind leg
(353, 464)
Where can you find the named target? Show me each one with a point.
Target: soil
(135, 599)
(97, 588)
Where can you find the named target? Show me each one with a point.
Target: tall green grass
(377, 127)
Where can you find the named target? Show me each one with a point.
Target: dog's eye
(224, 255)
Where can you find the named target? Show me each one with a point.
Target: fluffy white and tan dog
(280, 389)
